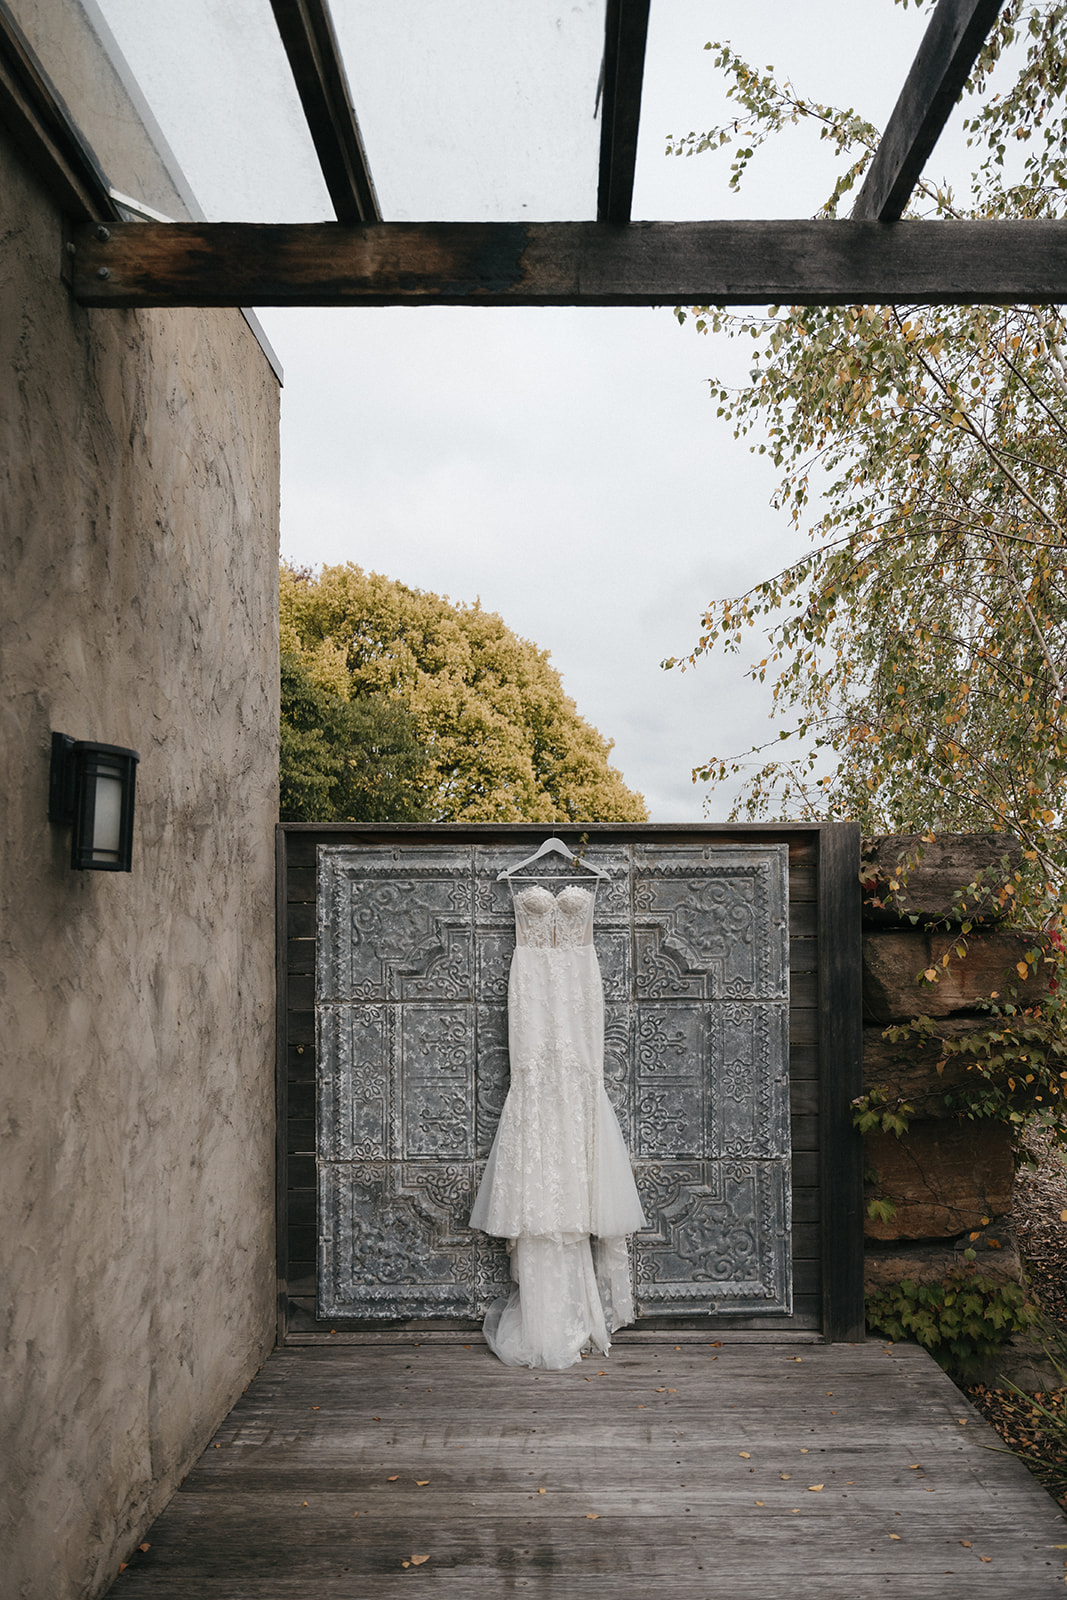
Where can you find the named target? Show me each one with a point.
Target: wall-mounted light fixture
(91, 789)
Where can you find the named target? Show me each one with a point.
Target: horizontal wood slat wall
(298, 844)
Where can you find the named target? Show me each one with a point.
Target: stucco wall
(138, 571)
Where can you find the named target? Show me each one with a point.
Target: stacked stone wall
(948, 1179)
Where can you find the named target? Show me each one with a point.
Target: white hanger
(561, 849)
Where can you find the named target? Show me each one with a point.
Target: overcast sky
(564, 466)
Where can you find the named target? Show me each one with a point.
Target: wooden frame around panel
(825, 1021)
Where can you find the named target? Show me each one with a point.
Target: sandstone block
(942, 1177)
(894, 958)
(996, 1252)
(908, 1070)
(947, 864)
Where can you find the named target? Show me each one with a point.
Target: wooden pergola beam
(44, 130)
(950, 47)
(625, 35)
(571, 263)
(307, 32)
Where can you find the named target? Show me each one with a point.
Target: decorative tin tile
(716, 1241)
(414, 947)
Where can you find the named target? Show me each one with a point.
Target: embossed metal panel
(414, 945)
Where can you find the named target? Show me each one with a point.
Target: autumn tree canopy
(482, 730)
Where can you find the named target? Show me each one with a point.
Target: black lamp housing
(91, 790)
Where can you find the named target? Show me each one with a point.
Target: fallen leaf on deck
(803, 1449)
(405, 1563)
(761, 1502)
(815, 1487)
(966, 1543)
(915, 1466)
(393, 1478)
(659, 1391)
(355, 1513)
(540, 1491)
(785, 1474)
(416, 1561)
(376, 1419)
(601, 1374)
(985, 1558)
(592, 1516)
(123, 1565)
(672, 1391)
(895, 1536)
(746, 1455)
(420, 1483)
(145, 1546)
(316, 1408)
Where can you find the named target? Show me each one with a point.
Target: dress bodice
(545, 921)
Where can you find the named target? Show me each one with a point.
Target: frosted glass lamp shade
(92, 789)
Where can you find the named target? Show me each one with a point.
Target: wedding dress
(558, 1183)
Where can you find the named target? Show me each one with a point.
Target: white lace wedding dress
(558, 1183)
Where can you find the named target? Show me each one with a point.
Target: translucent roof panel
(477, 110)
(217, 81)
(471, 109)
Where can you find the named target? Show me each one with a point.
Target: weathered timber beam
(950, 47)
(625, 34)
(307, 32)
(42, 127)
(571, 263)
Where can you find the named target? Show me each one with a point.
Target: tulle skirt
(569, 1296)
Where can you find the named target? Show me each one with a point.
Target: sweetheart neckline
(556, 897)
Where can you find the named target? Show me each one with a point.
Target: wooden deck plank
(662, 1464)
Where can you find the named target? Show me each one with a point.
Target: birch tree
(917, 653)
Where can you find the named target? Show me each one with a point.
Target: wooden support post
(950, 47)
(625, 33)
(311, 44)
(841, 1076)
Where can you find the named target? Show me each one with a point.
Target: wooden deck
(692, 1471)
